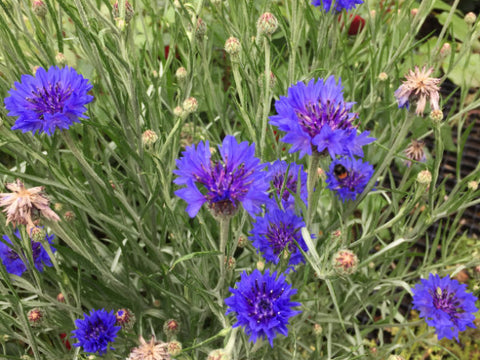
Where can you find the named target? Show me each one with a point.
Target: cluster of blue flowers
(339, 5)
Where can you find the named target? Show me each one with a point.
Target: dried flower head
(419, 87)
(24, 205)
(415, 151)
(152, 350)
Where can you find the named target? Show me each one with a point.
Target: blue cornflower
(348, 177)
(277, 234)
(339, 4)
(445, 305)
(51, 99)
(95, 331)
(14, 263)
(223, 185)
(316, 117)
(262, 305)
(283, 175)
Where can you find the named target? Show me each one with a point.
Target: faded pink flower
(152, 350)
(23, 204)
(415, 151)
(419, 87)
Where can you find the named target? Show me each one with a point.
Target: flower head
(51, 99)
(95, 331)
(339, 4)
(445, 305)
(348, 177)
(224, 184)
(153, 350)
(262, 305)
(284, 178)
(316, 117)
(419, 87)
(277, 235)
(23, 204)
(415, 151)
(15, 264)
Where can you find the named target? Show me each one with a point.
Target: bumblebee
(340, 172)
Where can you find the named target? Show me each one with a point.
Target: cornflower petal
(339, 4)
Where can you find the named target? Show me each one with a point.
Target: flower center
(49, 99)
(290, 184)
(262, 304)
(446, 302)
(281, 237)
(95, 331)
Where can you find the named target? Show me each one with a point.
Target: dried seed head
(218, 354)
(345, 262)
(233, 47)
(267, 24)
(171, 328)
(424, 177)
(174, 348)
(415, 151)
(149, 137)
(470, 18)
(190, 105)
(40, 9)
(37, 233)
(23, 204)
(36, 317)
(125, 318)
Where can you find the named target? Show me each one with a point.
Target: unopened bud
(200, 29)
(470, 18)
(40, 9)
(242, 241)
(317, 329)
(69, 216)
(373, 13)
(233, 47)
(424, 177)
(129, 11)
(37, 234)
(472, 185)
(436, 116)
(121, 24)
(382, 76)
(181, 74)
(61, 298)
(171, 327)
(190, 105)
(60, 59)
(125, 318)
(218, 354)
(414, 12)
(36, 317)
(272, 80)
(267, 24)
(174, 348)
(260, 265)
(149, 137)
(58, 206)
(345, 262)
(230, 263)
(445, 50)
(178, 111)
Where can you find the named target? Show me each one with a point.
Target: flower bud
(125, 318)
(190, 105)
(69, 216)
(36, 317)
(267, 24)
(317, 329)
(181, 74)
(436, 116)
(174, 348)
(40, 9)
(373, 13)
(178, 111)
(171, 328)
(445, 50)
(149, 137)
(58, 207)
(345, 262)
(242, 241)
(382, 76)
(230, 263)
(37, 234)
(424, 177)
(414, 12)
(472, 185)
(470, 18)
(200, 29)
(4, 338)
(129, 11)
(260, 265)
(61, 298)
(395, 357)
(60, 59)
(121, 24)
(233, 47)
(218, 354)
(272, 80)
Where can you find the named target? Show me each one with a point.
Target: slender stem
(78, 155)
(224, 230)
(311, 180)
(293, 44)
(238, 85)
(266, 92)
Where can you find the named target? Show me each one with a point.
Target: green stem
(224, 230)
(238, 86)
(266, 92)
(311, 180)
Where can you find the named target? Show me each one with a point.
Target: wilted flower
(472, 185)
(445, 305)
(15, 264)
(436, 116)
(96, 331)
(152, 350)
(262, 305)
(223, 185)
(23, 204)
(285, 180)
(415, 151)
(278, 234)
(200, 29)
(316, 118)
(348, 177)
(419, 87)
(339, 4)
(178, 111)
(49, 100)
